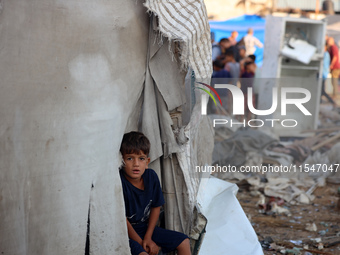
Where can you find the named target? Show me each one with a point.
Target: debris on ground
(311, 227)
(292, 212)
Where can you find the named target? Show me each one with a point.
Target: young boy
(143, 199)
(247, 81)
(232, 66)
(220, 75)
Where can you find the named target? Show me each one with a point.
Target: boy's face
(225, 44)
(251, 68)
(135, 165)
(242, 53)
(228, 58)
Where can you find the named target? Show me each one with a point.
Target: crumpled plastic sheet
(228, 230)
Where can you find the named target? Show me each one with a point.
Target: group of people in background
(331, 64)
(232, 60)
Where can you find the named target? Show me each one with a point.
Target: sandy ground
(290, 231)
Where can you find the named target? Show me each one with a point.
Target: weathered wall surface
(70, 75)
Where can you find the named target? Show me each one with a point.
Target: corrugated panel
(304, 4)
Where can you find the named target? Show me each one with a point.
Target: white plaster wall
(70, 75)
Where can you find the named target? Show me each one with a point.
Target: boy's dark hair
(224, 40)
(135, 142)
(218, 63)
(253, 57)
(229, 53)
(246, 64)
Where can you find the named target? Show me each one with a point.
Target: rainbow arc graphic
(209, 93)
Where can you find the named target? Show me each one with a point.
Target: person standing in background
(250, 41)
(233, 43)
(220, 48)
(335, 64)
(247, 81)
(233, 68)
(241, 53)
(325, 72)
(233, 38)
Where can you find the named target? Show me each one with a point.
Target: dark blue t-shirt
(138, 202)
(221, 74)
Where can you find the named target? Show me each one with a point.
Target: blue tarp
(241, 24)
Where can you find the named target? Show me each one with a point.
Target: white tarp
(228, 230)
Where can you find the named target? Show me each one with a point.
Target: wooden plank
(333, 138)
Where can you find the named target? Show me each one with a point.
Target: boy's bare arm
(154, 215)
(147, 242)
(133, 234)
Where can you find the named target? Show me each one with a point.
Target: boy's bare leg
(143, 253)
(184, 248)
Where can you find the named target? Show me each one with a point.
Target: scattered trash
(303, 199)
(311, 227)
(316, 240)
(296, 242)
(295, 251)
(261, 203)
(266, 242)
(280, 210)
(303, 195)
(320, 246)
(324, 224)
(323, 232)
(276, 247)
(255, 193)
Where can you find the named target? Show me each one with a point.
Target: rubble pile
(286, 184)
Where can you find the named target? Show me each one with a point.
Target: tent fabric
(71, 75)
(223, 29)
(163, 92)
(196, 152)
(76, 76)
(173, 159)
(186, 22)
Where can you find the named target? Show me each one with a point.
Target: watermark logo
(208, 92)
(239, 104)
